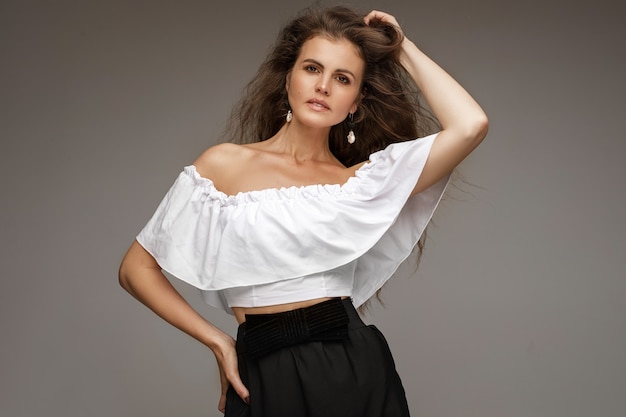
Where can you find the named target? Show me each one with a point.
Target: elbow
(133, 268)
(127, 271)
(123, 276)
(478, 129)
(471, 131)
(484, 125)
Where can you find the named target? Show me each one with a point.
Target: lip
(316, 104)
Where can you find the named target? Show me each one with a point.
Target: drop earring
(351, 136)
(289, 116)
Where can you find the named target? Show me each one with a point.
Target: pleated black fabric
(353, 377)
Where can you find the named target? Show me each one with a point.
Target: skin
(323, 87)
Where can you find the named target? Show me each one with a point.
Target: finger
(377, 15)
(370, 16)
(240, 388)
(221, 406)
(230, 372)
(383, 17)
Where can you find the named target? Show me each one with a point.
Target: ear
(356, 103)
(287, 80)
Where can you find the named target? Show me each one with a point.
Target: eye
(343, 79)
(311, 68)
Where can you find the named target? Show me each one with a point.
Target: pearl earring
(289, 116)
(351, 136)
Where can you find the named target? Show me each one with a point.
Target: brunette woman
(335, 176)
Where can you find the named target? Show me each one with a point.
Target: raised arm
(141, 276)
(464, 124)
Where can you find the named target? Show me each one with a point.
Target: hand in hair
(464, 124)
(383, 17)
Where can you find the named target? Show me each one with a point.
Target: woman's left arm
(464, 124)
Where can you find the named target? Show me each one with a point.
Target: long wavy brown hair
(390, 110)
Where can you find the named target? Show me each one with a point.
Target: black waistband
(265, 333)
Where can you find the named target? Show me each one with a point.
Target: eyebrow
(322, 66)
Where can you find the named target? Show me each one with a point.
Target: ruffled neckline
(285, 193)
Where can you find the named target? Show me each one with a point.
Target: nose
(322, 86)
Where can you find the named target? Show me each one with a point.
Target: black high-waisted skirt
(350, 376)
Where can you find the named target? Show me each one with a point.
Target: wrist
(407, 43)
(407, 53)
(220, 342)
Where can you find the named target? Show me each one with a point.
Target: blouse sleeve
(395, 171)
(214, 241)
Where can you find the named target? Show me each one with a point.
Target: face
(325, 82)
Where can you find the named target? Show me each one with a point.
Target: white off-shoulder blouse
(292, 244)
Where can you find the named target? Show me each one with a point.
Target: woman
(306, 220)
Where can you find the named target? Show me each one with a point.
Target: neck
(301, 142)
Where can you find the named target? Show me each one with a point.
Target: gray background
(518, 306)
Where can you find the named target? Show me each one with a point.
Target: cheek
(351, 101)
(297, 85)
(294, 91)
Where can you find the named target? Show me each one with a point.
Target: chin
(319, 122)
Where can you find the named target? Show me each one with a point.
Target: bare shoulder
(221, 159)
